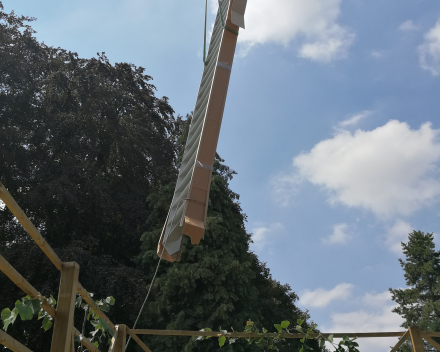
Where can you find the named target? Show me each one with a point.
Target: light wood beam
(139, 341)
(401, 341)
(245, 335)
(431, 341)
(119, 340)
(25, 286)
(93, 305)
(29, 227)
(416, 339)
(11, 343)
(63, 327)
(86, 342)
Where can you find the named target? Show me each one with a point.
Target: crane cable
(148, 293)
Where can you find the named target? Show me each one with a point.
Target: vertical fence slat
(63, 327)
(119, 340)
(416, 339)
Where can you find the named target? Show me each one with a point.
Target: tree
(83, 143)
(419, 304)
(91, 156)
(218, 283)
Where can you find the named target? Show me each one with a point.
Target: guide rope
(148, 293)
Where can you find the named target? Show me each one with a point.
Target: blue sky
(331, 121)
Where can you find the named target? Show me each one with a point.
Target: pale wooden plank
(63, 327)
(119, 340)
(93, 305)
(431, 341)
(416, 339)
(401, 341)
(11, 343)
(245, 335)
(430, 333)
(6, 197)
(24, 285)
(139, 341)
(86, 342)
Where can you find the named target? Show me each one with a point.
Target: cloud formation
(408, 26)
(339, 235)
(429, 51)
(313, 22)
(321, 297)
(396, 234)
(354, 120)
(261, 234)
(391, 170)
(375, 315)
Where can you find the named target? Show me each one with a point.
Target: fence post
(416, 339)
(118, 341)
(63, 327)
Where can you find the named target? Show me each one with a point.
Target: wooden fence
(64, 332)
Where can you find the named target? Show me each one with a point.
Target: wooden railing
(64, 331)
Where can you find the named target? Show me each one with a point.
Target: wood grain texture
(63, 327)
(11, 343)
(416, 339)
(401, 341)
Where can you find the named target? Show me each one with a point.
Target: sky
(331, 122)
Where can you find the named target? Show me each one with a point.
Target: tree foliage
(91, 155)
(419, 303)
(219, 283)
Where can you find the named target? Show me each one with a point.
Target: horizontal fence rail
(247, 335)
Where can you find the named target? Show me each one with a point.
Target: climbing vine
(270, 341)
(28, 308)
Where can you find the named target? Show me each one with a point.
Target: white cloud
(408, 26)
(313, 22)
(339, 235)
(321, 297)
(353, 120)
(284, 187)
(391, 170)
(397, 234)
(429, 51)
(375, 315)
(261, 234)
(378, 54)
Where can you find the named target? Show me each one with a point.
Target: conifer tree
(419, 303)
(218, 283)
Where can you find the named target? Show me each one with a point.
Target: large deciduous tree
(83, 143)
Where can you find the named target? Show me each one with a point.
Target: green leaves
(269, 342)
(8, 316)
(221, 341)
(26, 309)
(47, 323)
(285, 324)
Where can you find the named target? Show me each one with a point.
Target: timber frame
(64, 331)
